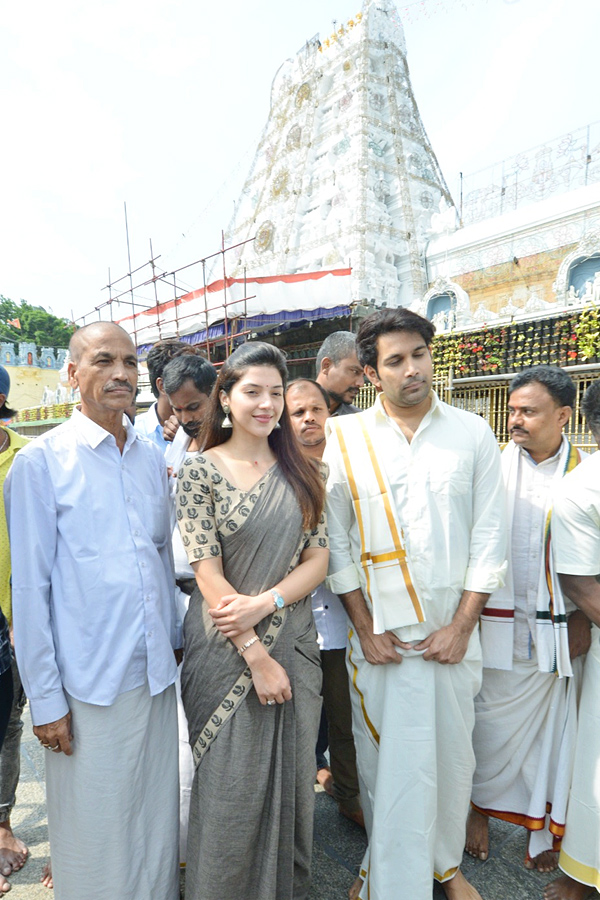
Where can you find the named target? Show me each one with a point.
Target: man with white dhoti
(532, 640)
(576, 548)
(95, 627)
(418, 544)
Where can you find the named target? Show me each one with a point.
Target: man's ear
(564, 414)
(326, 364)
(72, 374)
(160, 386)
(373, 377)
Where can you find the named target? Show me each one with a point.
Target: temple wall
(496, 286)
(27, 384)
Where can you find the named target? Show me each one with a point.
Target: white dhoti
(186, 772)
(113, 805)
(580, 853)
(524, 741)
(413, 726)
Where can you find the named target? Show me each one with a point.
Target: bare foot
(565, 888)
(13, 852)
(46, 878)
(546, 861)
(477, 843)
(4, 886)
(325, 779)
(458, 888)
(355, 889)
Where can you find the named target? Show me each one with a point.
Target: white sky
(161, 104)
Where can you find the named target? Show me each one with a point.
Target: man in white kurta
(526, 711)
(95, 628)
(432, 474)
(576, 547)
(307, 404)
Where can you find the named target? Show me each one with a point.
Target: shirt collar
(153, 418)
(435, 408)
(94, 434)
(545, 462)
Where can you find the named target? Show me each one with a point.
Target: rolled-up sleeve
(32, 523)
(343, 574)
(576, 526)
(487, 549)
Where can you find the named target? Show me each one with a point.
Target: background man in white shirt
(426, 476)
(339, 371)
(188, 381)
(95, 627)
(307, 405)
(576, 547)
(525, 716)
(151, 423)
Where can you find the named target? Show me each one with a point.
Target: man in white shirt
(151, 423)
(526, 716)
(187, 381)
(339, 372)
(417, 536)
(307, 405)
(95, 627)
(576, 547)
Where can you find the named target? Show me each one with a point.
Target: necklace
(5, 441)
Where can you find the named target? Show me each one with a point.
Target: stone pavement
(339, 846)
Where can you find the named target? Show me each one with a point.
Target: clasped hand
(447, 646)
(238, 613)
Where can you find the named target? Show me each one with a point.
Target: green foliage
(37, 325)
(587, 330)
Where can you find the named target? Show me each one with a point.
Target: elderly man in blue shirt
(95, 627)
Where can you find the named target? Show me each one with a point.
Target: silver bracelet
(249, 643)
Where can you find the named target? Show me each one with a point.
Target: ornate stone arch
(589, 245)
(445, 286)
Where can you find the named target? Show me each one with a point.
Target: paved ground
(339, 846)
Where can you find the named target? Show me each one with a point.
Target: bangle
(249, 643)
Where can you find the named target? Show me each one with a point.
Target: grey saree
(251, 815)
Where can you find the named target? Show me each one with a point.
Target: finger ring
(270, 703)
(45, 746)
(55, 748)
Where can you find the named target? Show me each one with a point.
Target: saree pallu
(251, 812)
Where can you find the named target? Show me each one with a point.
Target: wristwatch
(277, 599)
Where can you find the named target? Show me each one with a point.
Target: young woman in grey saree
(251, 516)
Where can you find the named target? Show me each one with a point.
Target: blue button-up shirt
(93, 605)
(147, 424)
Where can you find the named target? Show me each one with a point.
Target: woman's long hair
(300, 472)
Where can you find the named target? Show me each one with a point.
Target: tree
(36, 324)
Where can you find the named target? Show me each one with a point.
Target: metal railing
(559, 165)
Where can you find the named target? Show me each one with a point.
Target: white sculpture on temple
(444, 221)
(572, 297)
(483, 315)
(510, 310)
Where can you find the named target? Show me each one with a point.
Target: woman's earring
(277, 425)
(226, 423)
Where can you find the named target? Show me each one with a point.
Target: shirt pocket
(156, 518)
(451, 474)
